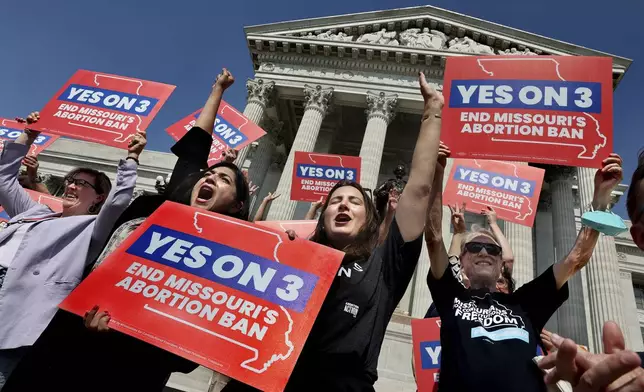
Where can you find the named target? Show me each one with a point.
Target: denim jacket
(54, 252)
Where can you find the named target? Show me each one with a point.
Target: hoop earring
(93, 209)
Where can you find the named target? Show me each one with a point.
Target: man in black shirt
(489, 338)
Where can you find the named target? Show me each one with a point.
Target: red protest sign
(315, 174)
(303, 228)
(426, 338)
(225, 293)
(103, 108)
(50, 201)
(10, 130)
(547, 109)
(232, 130)
(511, 189)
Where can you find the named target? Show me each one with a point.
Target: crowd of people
(490, 331)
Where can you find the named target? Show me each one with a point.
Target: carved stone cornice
(560, 173)
(381, 105)
(268, 62)
(261, 91)
(317, 98)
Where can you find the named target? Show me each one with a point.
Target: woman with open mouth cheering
(69, 356)
(43, 254)
(341, 352)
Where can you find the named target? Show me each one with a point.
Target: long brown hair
(368, 235)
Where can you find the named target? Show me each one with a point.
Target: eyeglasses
(78, 182)
(477, 247)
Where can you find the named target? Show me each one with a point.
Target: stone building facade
(348, 85)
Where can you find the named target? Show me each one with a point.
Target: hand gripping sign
(426, 338)
(547, 109)
(232, 130)
(303, 228)
(511, 189)
(103, 108)
(315, 174)
(10, 130)
(52, 202)
(224, 293)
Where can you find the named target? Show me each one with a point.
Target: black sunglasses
(477, 247)
(78, 182)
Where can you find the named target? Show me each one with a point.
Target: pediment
(404, 34)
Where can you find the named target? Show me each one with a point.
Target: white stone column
(380, 112)
(520, 239)
(571, 315)
(633, 333)
(421, 297)
(602, 272)
(544, 245)
(260, 94)
(317, 101)
(264, 155)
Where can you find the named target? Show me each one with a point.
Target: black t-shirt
(341, 352)
(455, 267)
(489, 339)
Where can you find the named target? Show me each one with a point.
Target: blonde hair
(477, 231)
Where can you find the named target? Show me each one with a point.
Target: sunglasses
(477, 247)
(78, 182)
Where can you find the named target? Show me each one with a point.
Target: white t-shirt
(10, 246)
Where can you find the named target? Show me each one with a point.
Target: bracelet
(134, 159)
(436, 115)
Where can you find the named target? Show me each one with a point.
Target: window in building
(638, 289)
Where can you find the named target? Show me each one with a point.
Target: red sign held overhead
(225, 293)
(50, 201)
(511, 189)
(10, 130)
(103, 108)
(315, 174)
(303, 228)
(232, 130)
(547, 109)
(426, 338)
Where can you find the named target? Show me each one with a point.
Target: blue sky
(186, 43)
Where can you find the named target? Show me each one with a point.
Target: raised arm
(414, 201)
(206, 120)
(460, 229)
(313, 210)
(259, 216)
(606, 179)
(392, 206)
(13, 198)
(119, 197)
(438, 257)
(32, 164)
(506, 251)
(194, 147)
